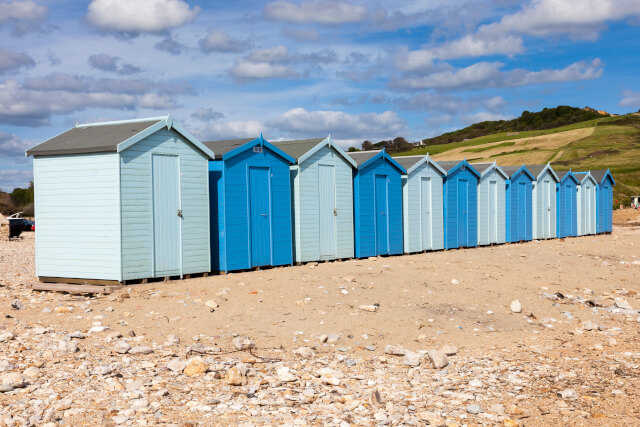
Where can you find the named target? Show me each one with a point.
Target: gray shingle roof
(447, 165)
(408, 161)
(598, 174)
(536, 169)
(90, 139)
(481, 167)
(298, 148)
(362, 156)
(580, 175)
(224, 146)
(561, 174)
(510, 170)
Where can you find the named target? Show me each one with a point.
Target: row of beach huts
(137, 199)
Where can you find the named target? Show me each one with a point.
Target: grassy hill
(601, 143)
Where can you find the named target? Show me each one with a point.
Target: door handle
(180, 213)
(264, 214)
(335, 211)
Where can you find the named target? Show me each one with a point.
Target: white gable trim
(328, 142)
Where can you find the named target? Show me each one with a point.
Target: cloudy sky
(290, 68)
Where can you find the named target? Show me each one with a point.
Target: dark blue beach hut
(460, 204)
(566, 202)
(604, 194)
(250, 198)
(377, 195)
(519, 203)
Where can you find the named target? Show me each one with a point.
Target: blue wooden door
(607, 207)
(425, 205)
(328, 212)
(382, 215)
(260, 216)
(166, 210)
(463, 212)
(522, 217)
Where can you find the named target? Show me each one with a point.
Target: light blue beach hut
(119, 201)
(604, 192)
(322, 188)
(491, 203)
(566, 204)
(460, 202)
(544, 201)
(422, 208)
(518, 204)
(377, 199)
(250, 196)
(587, 203)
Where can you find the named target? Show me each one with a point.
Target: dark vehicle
(17, 225)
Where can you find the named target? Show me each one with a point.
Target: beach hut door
(546, 205)
(382, 215)
(260, 216)
(522, 218)
(328, 212)
(166, 214)
(425, 201)
(493, 212)
(463, 214)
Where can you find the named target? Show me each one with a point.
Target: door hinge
(180, 213)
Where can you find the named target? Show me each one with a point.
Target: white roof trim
(169, 124)
(548, 166)
(120, 122)
(328, 142)
(425, 159)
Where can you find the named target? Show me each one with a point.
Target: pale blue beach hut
(544, 201)
(422, 202)
(119, 201)
(491, 203)
(322, 199)
(587, 201)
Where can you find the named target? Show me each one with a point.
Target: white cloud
(245, 69)
(11, 61)
(630, 99)
(584, 19)
(484, 116)
(303, 123)
(230, 129)
(301, 34)
(326, 12)
(445, 103)
(156, 102)
(218, 41)
(489, 74)
(21, 10)
(140, 16)
(170, 45)
(112, 64)
(12, 146)
(274, 62)
(33, 102)
(15, 178)
(469, 46)
(207, 114)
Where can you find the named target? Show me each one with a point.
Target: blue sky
(293, 69)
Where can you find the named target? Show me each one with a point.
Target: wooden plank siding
(234, 248)
(77, 205)
(413, 217)
(137, 205)
(540, 206)
(483, 208)
(307, 209)
(365, 229)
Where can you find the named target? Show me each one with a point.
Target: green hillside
(605, 142)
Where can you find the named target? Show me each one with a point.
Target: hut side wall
(412, 200)
(77, 207)
(137, 205)
(307, 227)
